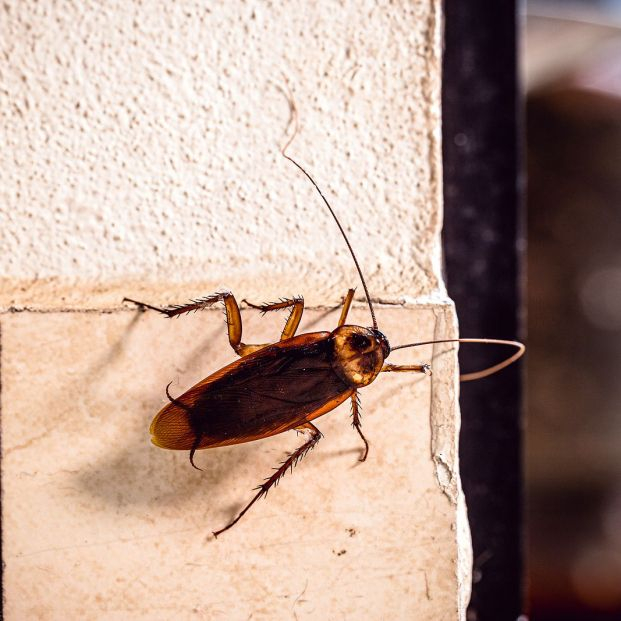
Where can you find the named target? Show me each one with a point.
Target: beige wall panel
(99, 524)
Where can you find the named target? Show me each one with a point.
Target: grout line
(125, 309)
(27, 309)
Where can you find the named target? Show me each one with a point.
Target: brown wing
(270, 391)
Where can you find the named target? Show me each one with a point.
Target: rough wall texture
(141, 157)
(141, 141)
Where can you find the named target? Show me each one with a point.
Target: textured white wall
(141, 143)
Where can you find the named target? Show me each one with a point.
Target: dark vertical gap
(482, 196)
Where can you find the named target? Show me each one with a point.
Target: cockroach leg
(292, 459)
(346, 304)
(231, 308)
(293, 321)
(144, 306)
(244, 349)
(407, 368)
(356, 424)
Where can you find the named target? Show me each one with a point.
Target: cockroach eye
(360, 341)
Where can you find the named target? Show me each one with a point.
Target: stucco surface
(141, 148)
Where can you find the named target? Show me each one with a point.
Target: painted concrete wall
(141, 158)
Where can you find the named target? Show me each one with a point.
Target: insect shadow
(131, 472)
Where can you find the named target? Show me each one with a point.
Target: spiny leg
(233, 316)
(292, 459)
(346, 304)
(355, 399)
(407, 368)
(356, 424)
(192, 305)
(143, 305)
(293, 321)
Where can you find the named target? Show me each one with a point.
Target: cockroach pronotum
(283, 386)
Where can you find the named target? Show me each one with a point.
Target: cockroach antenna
(475, 375)
(464, 377)
(293, 120)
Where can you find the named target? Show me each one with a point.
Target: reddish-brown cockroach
(284, 386)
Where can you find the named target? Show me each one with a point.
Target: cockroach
(283, 386)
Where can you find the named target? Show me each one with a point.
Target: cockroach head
(358, 353)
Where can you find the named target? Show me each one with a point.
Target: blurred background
(571, 63)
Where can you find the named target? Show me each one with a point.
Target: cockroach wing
(267, 392)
